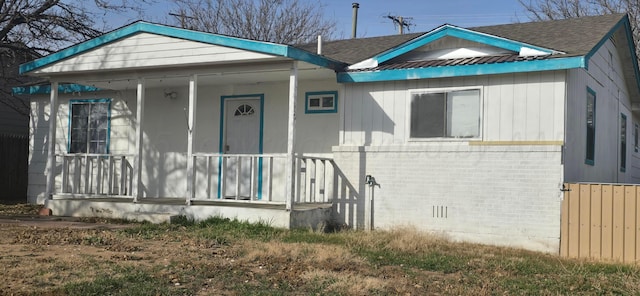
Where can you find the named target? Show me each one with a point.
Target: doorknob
(226, 148)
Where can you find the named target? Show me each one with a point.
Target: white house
(468, 132)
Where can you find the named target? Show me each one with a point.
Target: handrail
(239, 155)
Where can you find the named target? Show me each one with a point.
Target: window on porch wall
(452, 114)
(89, 124)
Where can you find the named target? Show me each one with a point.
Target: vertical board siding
(515, 107)
(604, 77)
(601, 221)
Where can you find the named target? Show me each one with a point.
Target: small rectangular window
(623, 142)
(321, 102)
(591, 127)
(89, 125)
(635, 138)
(452, 114)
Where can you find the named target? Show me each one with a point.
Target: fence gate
(14, 152)
(601, 221)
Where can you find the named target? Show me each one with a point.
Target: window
(623, 142)
(244, 110)
(452, 114)
(89, 123)
(591, 127)
(321, 102)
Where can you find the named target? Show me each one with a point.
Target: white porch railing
(96, 174)
(247, 177)
(316, 180)
(261, 178)
(255, 178)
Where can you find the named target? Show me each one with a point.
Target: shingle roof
(351, 51)
(576, 36)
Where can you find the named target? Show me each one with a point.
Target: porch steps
(152, 217)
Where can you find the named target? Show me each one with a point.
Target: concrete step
(153, 217)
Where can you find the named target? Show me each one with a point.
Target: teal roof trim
(453, 31)
(623, 23)
(46, 89)
(209, 38)
(464, 70)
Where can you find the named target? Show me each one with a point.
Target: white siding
(517, 107)
(150, 50)
(612, 99)
(120, 138)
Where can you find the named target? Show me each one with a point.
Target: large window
(445, 114)
(89, 126)
(591, 127)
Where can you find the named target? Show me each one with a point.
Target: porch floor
(303, 215)
(200, 202)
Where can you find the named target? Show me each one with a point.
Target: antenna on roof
(401, 22)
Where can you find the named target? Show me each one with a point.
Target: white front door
(241, 136)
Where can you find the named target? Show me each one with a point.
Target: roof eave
(209, 38)
(46, 89)
(463, 70)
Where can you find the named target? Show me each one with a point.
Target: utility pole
(182, 16)
(401, 22)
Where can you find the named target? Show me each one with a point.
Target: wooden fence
(601, 221)
(14, 152)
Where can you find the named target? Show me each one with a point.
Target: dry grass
(221, 257)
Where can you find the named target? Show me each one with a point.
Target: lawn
(228, 257)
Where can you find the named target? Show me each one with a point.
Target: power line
(401, 22)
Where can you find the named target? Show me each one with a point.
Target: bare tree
(540, 10)
(280, 21)
(32, 28)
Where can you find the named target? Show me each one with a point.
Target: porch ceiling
(238, 74)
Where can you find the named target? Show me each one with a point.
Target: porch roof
(273, 49)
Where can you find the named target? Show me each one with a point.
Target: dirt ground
(40, 255)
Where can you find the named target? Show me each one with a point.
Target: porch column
(137, 163)
(191, 130)
(51, 157)
(290, 189)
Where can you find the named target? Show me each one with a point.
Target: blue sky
(372, 21)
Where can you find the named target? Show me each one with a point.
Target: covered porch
(157, 119)
(261, 180)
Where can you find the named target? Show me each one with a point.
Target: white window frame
(320, 95)
(88, 139)
(409, 97)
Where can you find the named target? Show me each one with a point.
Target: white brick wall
(502, 195)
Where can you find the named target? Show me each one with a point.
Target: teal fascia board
(46, 89)
(464, 70)
(209, 38)
(453, 31)
(624, 22)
